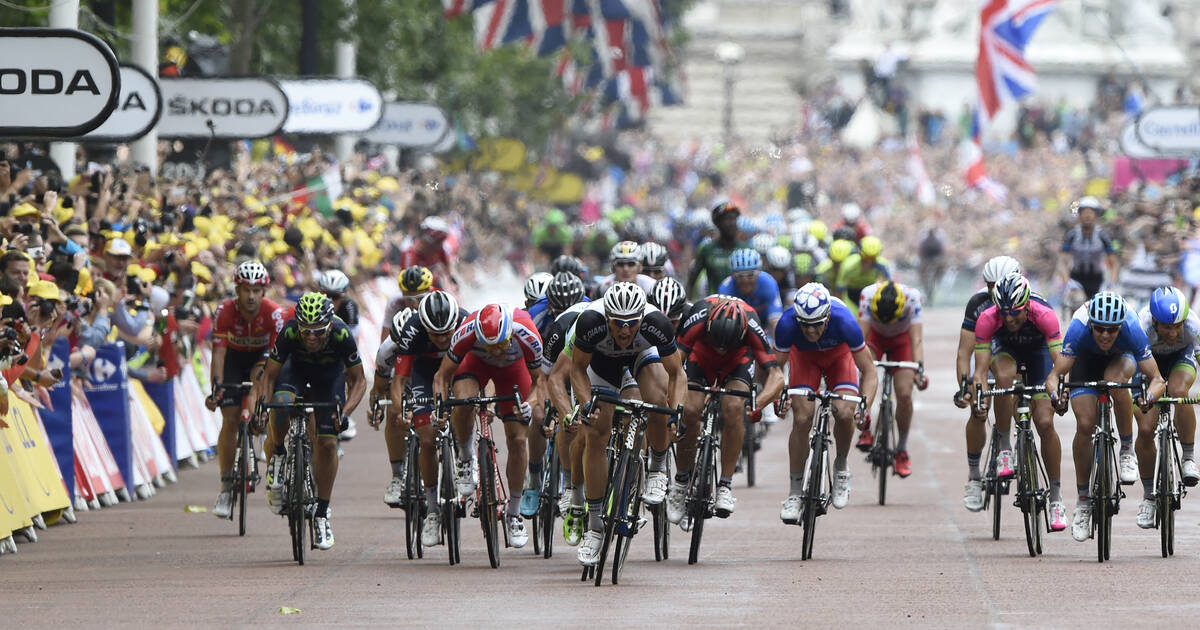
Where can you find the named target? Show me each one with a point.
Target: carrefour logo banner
(108, 393)
(331, 105)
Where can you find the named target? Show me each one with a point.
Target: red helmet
(494, 324)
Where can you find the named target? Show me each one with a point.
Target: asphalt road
(922, 560)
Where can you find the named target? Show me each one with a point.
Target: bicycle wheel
(487, 502)
(700, 494)
(631, 509)
(1029, 496)
(412, 501)
(662, 531)
(1164, 488)
(748, 440)
(813, 500)
(618, 487)
(551, 493)
(993, 484)
(1101, 516)
(241, 474)
(881, 454)
(448, 495)
(299, 499)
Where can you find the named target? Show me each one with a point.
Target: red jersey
(234, 332)
(525, 342)
(439, 253)
(692, 336)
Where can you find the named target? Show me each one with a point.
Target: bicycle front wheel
(630, 512)
(1030, 496)
(881, 456)
(814, 502)
(1101, 511)
(298, 500)
(241, 474)
(449, 499)
(617, 493)
(749, 438)
(551, 492)
(701, 495)
(412, 502)
(488, 517)
(1164, 489)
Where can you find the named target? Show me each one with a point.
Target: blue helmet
(1107, 309)
(745, 260)
(1168, 305)
(812, 303)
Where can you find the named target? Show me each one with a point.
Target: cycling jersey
(842, 329)
(539, 312)
(338, 352)
(712, 259)
(829, 358)
(558, 334)
(898, 326)
(414, 346)
(348, 312)
(976, 305)
(855, 274)
(827, 272)
(232, 331)
(1131, 339)
(1087, 252)
(1187, 337)
(1040, 329)
(693, 337)
(611, 363)
(523, 343)
(642, 280)
(440, 253)
(764, 299)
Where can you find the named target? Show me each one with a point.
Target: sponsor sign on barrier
(57, 415)
(1171, 131)
(248, 107)
(410, 125)
(55, 82)
(37, 471)
(138, 108)
(331, 105)
(107, 391)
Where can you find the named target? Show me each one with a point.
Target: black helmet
(726, 325)
(565, 290)
(724, 208)
(569, 264)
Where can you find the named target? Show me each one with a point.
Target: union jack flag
(1006, 27)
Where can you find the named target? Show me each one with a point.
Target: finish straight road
(922, 560)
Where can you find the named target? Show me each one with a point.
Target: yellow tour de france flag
(29, 455)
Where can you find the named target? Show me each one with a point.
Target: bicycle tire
(412, 501)
(1100, 490)
(994, 485)
(487, 502)
(299, 487)
(448, 496)
(616, 487)
(662, 531)
(1164, 489)
(552, 491)
(749, 436)
(812, 496)
(1029, 496)
(241, 474)
(700, 495)
(881, 459)
(630, 514)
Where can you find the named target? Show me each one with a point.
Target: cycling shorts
(239, 368)
(896, 348)
(714, 372)
(605, 386)
(612, 370)
(420, 385)
(806, 367)
(1036, 361)
(314, 383)
(1179, 360)
(504, 377)
(1090, 366)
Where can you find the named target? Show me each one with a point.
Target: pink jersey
(1040, 328)
(523, 343)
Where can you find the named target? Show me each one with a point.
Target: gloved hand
(526, 411)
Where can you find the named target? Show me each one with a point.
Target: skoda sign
(331, 105)
(138, 108)
(1170, 130)
(55, 82)
(410, 125)
(248, 107)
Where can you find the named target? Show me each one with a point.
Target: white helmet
(535, 287)
(435, 224)
(999, 267)
(251, 272)
(333, 281)
(624, 299)
(778, 257)
(761, 243)
(851, 212)
(812, 303)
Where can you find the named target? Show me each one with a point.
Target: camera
(133, 285)
(81, 307)
(23, 228)
(10, 348)
(45, 307)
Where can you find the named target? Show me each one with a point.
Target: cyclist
(622, 343)
(820, 231)
(804, 269)
(1087, 250)
(394, 436)
(499, 345)
(656, 261)
(316, 357)
(820, 338)
(753, 286)
(862, 269)
(1172, 329)
(712, 256)
(853, 222)
(1102, 342)
(415, 283)
(976, 431)
(432, 249)
(779, 264)
(720, 342)
(669, 297)
(334, 284)
(827, 270)
(889, 314)
(535, 287)
(1020, 328)
(245, 328)
(931, 251)
(626, 262)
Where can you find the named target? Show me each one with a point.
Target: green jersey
(712, 259)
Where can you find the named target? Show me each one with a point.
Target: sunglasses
(314, 332)
(625, 263)
(625, 323)
(812, 324)
(1013, 313)
(746, 274)
(1106, 330)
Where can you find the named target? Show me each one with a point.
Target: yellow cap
(46, 290)
(201, 272)
(24, 210)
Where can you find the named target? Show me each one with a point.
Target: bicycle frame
(1169, 488)
(883, 451)
(701, 492)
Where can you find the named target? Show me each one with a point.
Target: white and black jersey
(655, 339)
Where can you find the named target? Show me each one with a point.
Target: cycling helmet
(1107, 309)
(840, 250)
(851, 212)
(723, 209)
(745, 259)
(805, 242)
(803, 263)
(435, 225)
(654, 255)
(812, 303)
(569, 264)
(535, 287)
(887, 305)
(565, 290)
(625, 250)
(870, 246)
(438, 312)
(762, 243)
(669, 297)
(726, 325)
(314, 309)
(1011, 292)
(624, 299)
(818, 229)
(1086, 202)
(1168, 305)
(416, 278)
(333, 281)
(252, 273)
(778, 258)
(493, 324)
(398, 322)
(999, 267)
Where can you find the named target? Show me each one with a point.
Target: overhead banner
(251, 107)
(55, 82)
(138, 108)
(320, 106)
(410, 125)
(1170, 130)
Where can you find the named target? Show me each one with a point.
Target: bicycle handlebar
(629, 403)
(721, 391)
(825, 396)
(1177, 401)
(301, 405)
(898, 365)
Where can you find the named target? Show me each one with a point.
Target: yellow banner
(156, 417)
(15, 511)
(31, 458)
(499, 154)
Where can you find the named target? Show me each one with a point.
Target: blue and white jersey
(539, 312)
(1131, 339)
(764, 299)
(843, 328)
(1187, 336)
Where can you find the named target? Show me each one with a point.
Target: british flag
(1006, 26)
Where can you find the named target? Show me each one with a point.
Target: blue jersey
(842, 329)
(539, 312)
(764, 300)
(1132, 339)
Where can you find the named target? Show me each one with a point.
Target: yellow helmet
(818, 229)
(887, 305)
(840, 250)
(416, 278)
(870, 246)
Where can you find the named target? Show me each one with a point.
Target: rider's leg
(976, 437)
(652, 380)
(1121, 370)
(396, 438)
(732, 409)
(1004, 370)
(685, 448)
(802, 421)
(843, 431)
(1086, 410)
(462, 417)
(1179, 383)
(902, 381)
(427, 458)
(231, 417)
(595, 462)
(1043, 421)
(516, 437)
